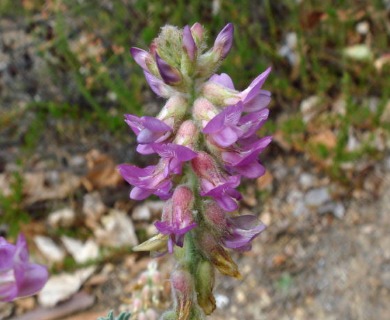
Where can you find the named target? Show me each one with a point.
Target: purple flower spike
(215, 183)
(223, 128)
(177, 217)
(140, 56)
(158, 86)
(147, 181)
(19, 277)
(222, 79)
(224, 41)
(175, 156)
(189, 43)
(169, 74)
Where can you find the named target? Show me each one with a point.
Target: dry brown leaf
(326, 137)
(264, 181)
(39, 186)
(102, 171)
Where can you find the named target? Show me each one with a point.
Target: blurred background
(67, 78)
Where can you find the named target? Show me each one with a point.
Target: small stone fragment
(317, 197)
(81, 252)
(118, 230)
(62, 218)
(51, 251)
(62, 286)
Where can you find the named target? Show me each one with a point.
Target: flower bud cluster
(206, 137)
(147, 294)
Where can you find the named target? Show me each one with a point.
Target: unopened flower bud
(151, 314)
(204, 111)
(187, 135)
(197, 32)
(173, 111)
(137, 304)
(217, 255)
(220, 95)
(189, 44)
(182, 290)
(215, 217)
(224, 41)
(169, 74)
(204, 287)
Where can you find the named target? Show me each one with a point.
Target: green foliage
(122, 316)
(11, 209)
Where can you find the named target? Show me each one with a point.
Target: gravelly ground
(323, 256)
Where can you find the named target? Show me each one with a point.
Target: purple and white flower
(19, 277)
(215, 183)
(177, 217)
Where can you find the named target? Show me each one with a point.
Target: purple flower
(215, 183)
(244, 160)
(19, 277)
(219, 90)
(241, 230)
(235, 232)
(253, 97)
(177, 217)
(189, 44)
(169, 74)
(147, 181)
(223, 128)
(252, 122)
(157, 179)
(224, 41)
(174, 155)
(148, 130)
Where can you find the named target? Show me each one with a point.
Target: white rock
(221, 301)
(363, 27)
(317, 197)
(118, 230)
(358, 52)
(306, 180)
(336, 208)
(141, 213)
(309, 107)
(64, 217)
(49, 249)
(93, 206)
(81, 252)
(155, 207)
(62, 286)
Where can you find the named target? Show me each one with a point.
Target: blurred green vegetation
(86, 44)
